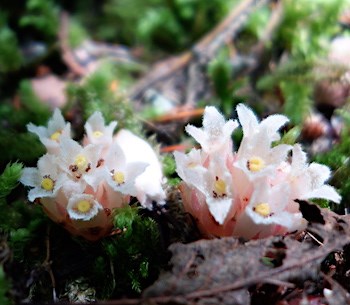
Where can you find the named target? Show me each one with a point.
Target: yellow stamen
(119, 177)
(220, 187)
(81, 162)
(97, 134)
(84, 206)
(263, 209)
(255, 164)
(56, 136)
(47, 184)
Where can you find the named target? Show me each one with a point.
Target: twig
(314, 238)
(67, 54)
(47, 264)
(193, 62)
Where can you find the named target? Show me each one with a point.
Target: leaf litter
(231, 271)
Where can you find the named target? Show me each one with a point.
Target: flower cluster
(78, 186)
(249, 193)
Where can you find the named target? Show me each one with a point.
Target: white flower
(83, 164)
(251, 125)
(308, 180)
(216, 132)
(214, 182)
(83, 207)
(256, 158)
(56, 130)
(121, 175)
(45, 180)
(149, 183)
(266, 213)
(96, 130)
(190, 166)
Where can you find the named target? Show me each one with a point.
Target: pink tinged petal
(215, 132)
(247, 119)
(219, 208)
(39, 193)
(69, 149)
(282, 218)
(299, 160)
(40, 131)
(273, 123)
(245, 227)
(189, 167)
(47, 165)
(149, 183)
(279, 153)
(57, 122)
(53, 208)
(96, 123)
(115, 199)
(30, 176)
(70, 187)
(93, 153)
(319, 173)
(115, 159)
(196, 133)
(131, 172)
(326, 192)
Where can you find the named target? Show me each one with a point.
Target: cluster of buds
(250, 193)
(78, 186)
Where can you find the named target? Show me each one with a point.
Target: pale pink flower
(45, 180)
(308, 180)
(266, 213)
(148, 184)
(215, 135)
(56, 130)
(250, 193)
(80, 186)
(82, 164)
(97, 132)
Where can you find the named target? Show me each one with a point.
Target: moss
(134, 252)
(10, 56)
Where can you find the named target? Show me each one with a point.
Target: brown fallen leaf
(220, 271)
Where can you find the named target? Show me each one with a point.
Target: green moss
(169, 170)
(135, 253)
(97, 94)
(9, 178)
(4, 288)
(77, 33)
(10, 56)
(41, 15)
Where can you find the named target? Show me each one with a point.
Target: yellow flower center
(219, 188)
(263, 209)
(47, 184)
(84, 206)
(81, 162)
(97, 134)
(255, 164)
(55, 136)
(119, 177)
